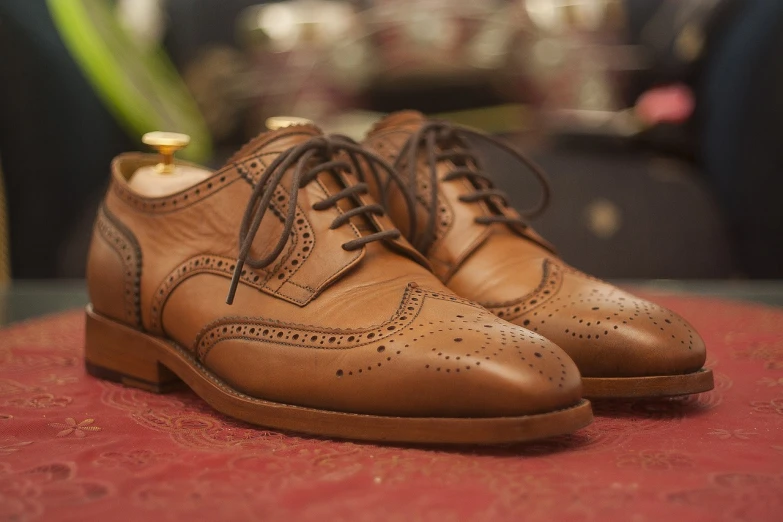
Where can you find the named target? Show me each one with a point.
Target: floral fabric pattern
(76, 448)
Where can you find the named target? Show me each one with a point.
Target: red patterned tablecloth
(75, 448)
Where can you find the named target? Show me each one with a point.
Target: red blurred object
(75, 448)
(667, 104)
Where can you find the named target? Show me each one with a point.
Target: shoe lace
(445, 141)
(312, 157)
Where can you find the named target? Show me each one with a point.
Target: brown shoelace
(311, 158)
(445, 141)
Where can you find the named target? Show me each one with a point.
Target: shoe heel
(118, 353)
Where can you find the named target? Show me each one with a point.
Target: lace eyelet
(323, 149)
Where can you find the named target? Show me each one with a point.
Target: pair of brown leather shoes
(279, 290)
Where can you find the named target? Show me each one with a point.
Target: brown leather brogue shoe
(481, 249)
(336, 326)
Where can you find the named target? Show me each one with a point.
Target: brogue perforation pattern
(127, 248)
(569, 311)
(445, 217)
(300, 335)
(391, 340)
(180, 200)
(297, 252)
(302, 236)
(198, 265)
(550, 284)
(300, 245)
(529, 347)
(621, 312)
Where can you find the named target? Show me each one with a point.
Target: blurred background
(657, 120)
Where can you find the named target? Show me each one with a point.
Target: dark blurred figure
(736, 83)
(56, 142)
(740, 132)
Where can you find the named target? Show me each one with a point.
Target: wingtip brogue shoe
(483, 250)
(281, 294)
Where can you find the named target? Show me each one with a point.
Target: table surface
(72, 446)
(27, 299)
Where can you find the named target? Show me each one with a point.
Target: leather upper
(365, 331)
(516, 274)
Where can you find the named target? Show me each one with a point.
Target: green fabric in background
(140, 87)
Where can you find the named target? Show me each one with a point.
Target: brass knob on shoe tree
(280, 122)
(166, 143)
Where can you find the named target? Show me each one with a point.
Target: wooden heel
(117, 353)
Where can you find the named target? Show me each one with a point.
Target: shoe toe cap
(480, 365)
(610, 333)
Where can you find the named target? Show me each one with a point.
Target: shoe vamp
(368, 294)
(607, 331)
(438, 357)
(504, 268)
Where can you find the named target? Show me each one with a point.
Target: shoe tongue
(411, 120)
(276, 141)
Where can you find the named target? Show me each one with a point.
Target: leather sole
(655, 386)
(122, 354)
